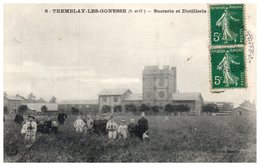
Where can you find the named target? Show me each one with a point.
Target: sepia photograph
(134, 83)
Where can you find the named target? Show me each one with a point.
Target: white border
(123, 165)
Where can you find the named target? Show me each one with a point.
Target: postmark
(227, 25)
(250, 48)
(228, 68)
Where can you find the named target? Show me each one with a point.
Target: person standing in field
(54, 126)
(48, 125)
(142, 126)
(88, 125)
(18, 118)
(29, 129)
(79, 124)
(40, 127)
(96, 125)
(122, 130)
(103, 124)
(61, 118)
(111, 128)
(131, 127)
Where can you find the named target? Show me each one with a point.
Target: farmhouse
(245, 108)
(112, 98)
(11, 104)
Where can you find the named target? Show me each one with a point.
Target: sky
(75, 56)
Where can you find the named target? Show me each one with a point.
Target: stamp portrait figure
(224, 22)
(224, 65)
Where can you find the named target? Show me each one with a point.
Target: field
(176, 139)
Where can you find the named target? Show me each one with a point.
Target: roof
(187, 96)
(14, 98)
(117, 92)
(248, 105)
(134, 97)
(78, 102)
(37, 106)
(243, 108)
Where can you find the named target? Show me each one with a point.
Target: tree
(41, 100)
(44, 109)
(169, 108)
(144, 108)
(31, 98)
(118, 108)
(5, 94)
(182, 108)
(106, 109)
(130, 108)
(210, 108)
(22, 108)
(155, 109)
(53, 99)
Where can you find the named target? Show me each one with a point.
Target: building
(83, 106)
(193, 100)
(224, 107)
(11, 104)
(159, 89)
(135, 99)
(112, 98)
(158, 85)
(37, 107)
(245, 108)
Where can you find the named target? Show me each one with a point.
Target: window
(161, 94)
(104, 99)
(115, 99)
(161, 82)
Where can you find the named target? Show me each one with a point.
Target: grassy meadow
(176, 139)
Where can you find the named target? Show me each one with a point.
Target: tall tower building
(159, 84)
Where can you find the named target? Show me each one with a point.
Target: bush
(155, 109)
(130, 108)
(169, 108)
(22, 108)
(144, 108)
(106, 109)
(44, 109)
(118, 108)
(210, 108)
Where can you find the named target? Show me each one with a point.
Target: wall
(110, 101)
(195, 106)
(158, 84)
(12, 105)
(83, 108)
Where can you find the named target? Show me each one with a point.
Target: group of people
(47, 126)
(101, 126)
(111, 128)
(32, 126)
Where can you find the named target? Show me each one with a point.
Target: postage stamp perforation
(245, 44)
(227, 59)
